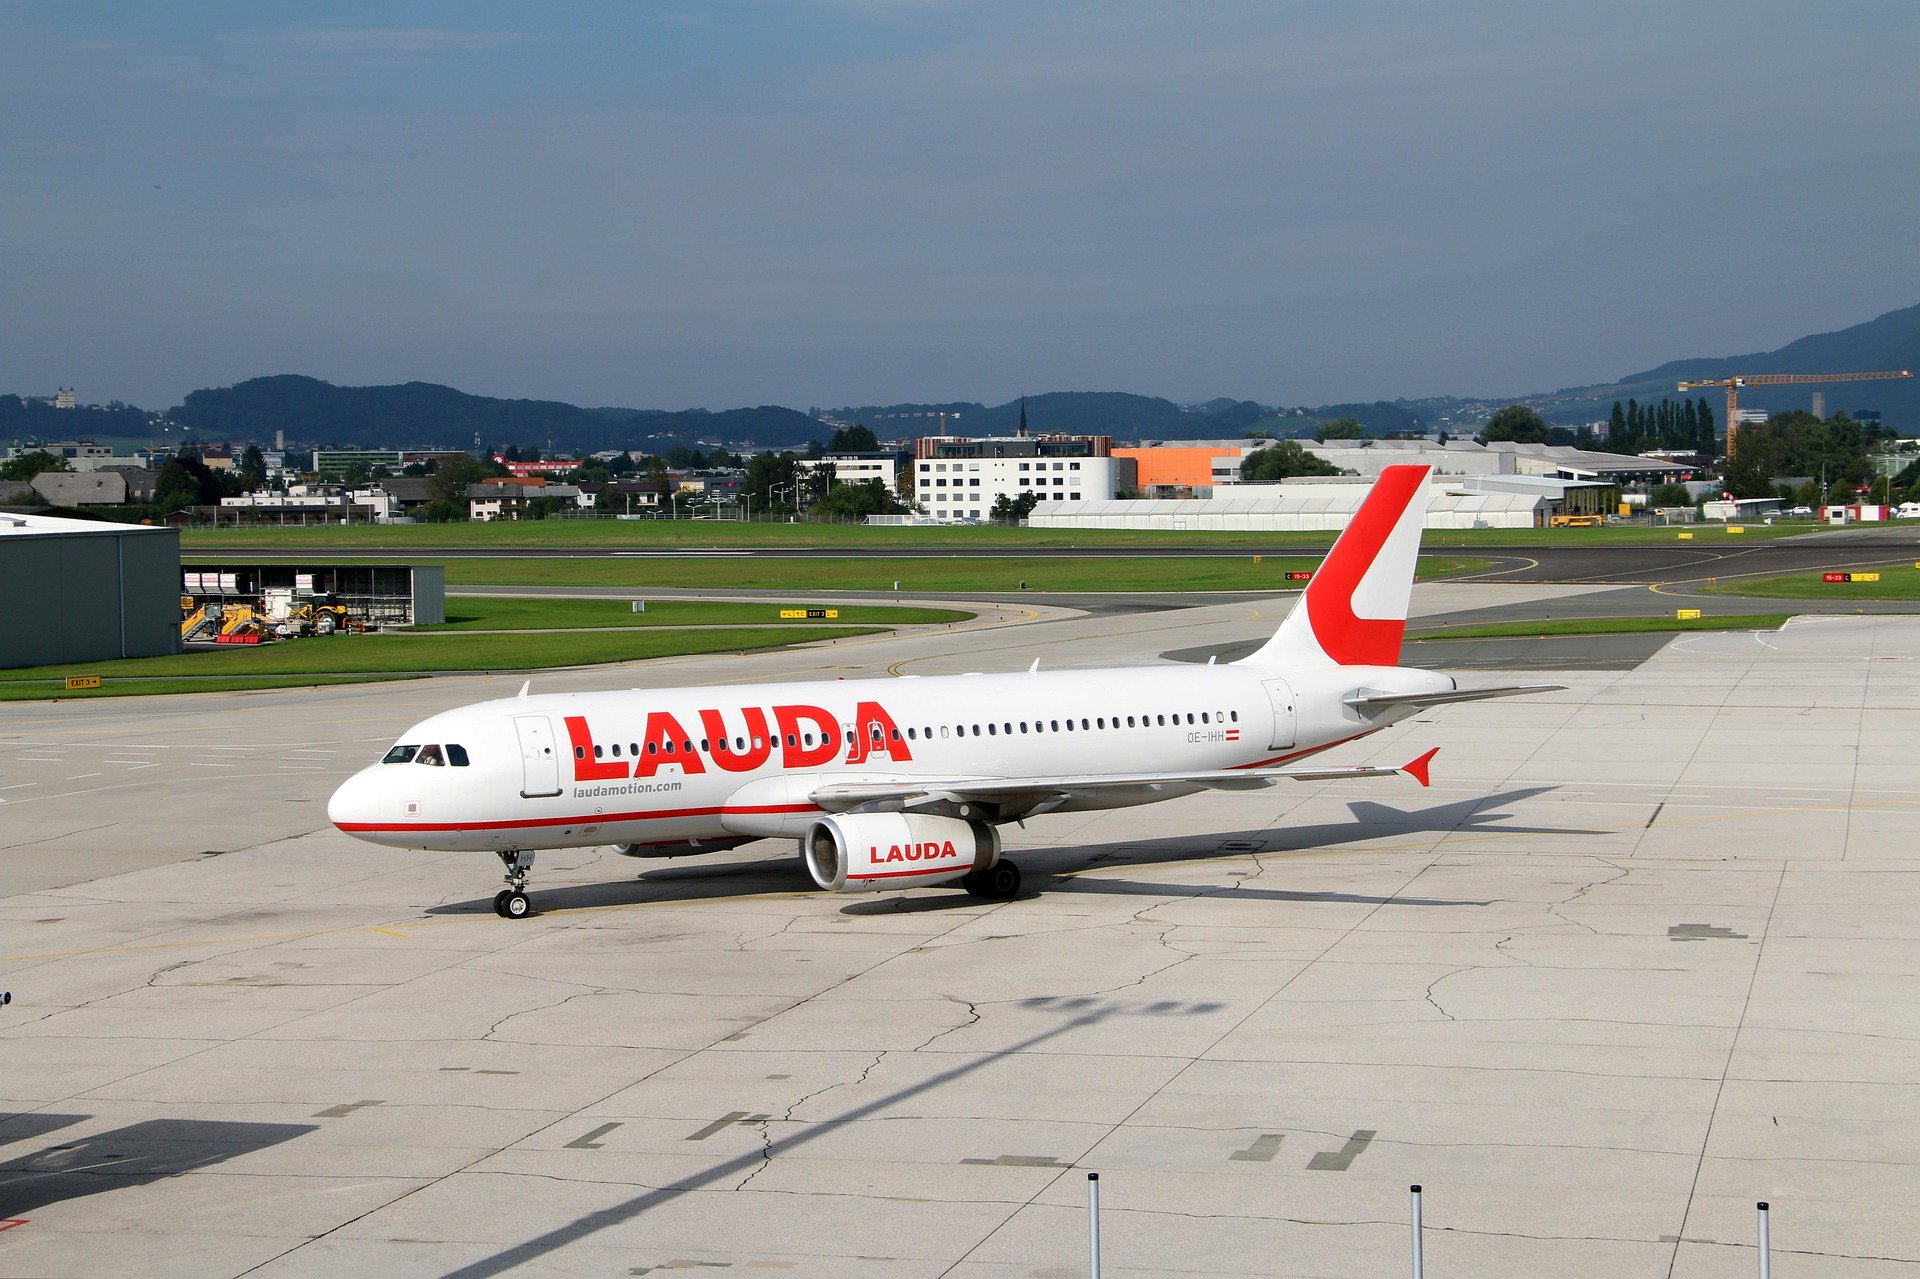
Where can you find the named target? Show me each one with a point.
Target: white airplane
(904, 783)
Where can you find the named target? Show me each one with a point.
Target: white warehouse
(1291, 508)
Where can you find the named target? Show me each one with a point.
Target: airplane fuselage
(666, 767)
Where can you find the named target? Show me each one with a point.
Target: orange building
(1183, 465)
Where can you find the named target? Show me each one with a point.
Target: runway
(1642, 956)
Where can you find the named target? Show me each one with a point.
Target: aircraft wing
(1031, 796)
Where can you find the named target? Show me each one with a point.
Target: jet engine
(680, 847)
(869, 852)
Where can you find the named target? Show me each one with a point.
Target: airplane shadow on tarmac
(1058, 869)
(129, 1156)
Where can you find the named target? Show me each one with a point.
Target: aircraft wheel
(1000, 882)
(512, 904)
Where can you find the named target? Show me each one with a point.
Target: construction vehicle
(1733, 384)
(239, 624)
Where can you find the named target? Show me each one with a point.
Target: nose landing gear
(511, 902)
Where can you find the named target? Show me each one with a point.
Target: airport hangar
(83, 591)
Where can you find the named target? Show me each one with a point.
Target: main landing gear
(1000, 882)
(511, 902)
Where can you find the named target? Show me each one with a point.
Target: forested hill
(1116, 413)
(1892, 341)
(426, 415)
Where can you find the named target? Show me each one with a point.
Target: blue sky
(676, 204)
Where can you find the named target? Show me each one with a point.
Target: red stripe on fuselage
(597, 819)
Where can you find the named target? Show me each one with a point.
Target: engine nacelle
(680, 847)
(869, 852)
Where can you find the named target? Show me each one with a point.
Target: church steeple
(1023, 418)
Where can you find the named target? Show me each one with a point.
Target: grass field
(690, 534)
(301, 662)
(477, 613)
(957, 575)
(1606, 626)
(1897, 582)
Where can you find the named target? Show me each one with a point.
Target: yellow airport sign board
(807, 614)
(1736, 528)
(1866, 577)
(75, 682)
(1688, 537)
(1686, 614)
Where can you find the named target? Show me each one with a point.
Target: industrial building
(1196, 466)
(1326, 503)
(79, 591)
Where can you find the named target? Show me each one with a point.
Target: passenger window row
(1093, 725)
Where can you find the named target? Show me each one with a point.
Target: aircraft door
(1280, 694)
(539, 757)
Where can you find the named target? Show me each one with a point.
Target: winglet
(1417, 769)
(526, 688)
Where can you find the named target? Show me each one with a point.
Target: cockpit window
(456, 755)
(400, 755)
(431, 755)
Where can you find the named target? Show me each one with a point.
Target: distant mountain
(1115, 413)
(423, 414)
(1892, 341)
(426, 415)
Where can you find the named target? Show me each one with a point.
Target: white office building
(858, 468)
(957, 480)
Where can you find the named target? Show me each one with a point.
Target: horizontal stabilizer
(1365, 701)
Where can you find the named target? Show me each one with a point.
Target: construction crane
(1733, 385)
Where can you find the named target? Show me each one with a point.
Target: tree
(1518, 423)
(356, 475)
(1011, 510)
(1670, 495)
(855, 502)
(853, 439)
(253, 466)
(175, 487)
(771, 479)
(453, 472)
(1341, 428)
(1617, 427)
(1283, 461)
(28, 465)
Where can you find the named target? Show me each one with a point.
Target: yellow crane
(1733, 384)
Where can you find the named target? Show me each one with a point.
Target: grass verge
(492, 613)
(300, 662)
(958, 575)
(1605, 626)
(1898, 582)
(673, 534)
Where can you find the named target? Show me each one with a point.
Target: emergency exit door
(539, 758)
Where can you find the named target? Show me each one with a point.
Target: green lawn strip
(401, 654)
(1606, 626)
(141, 686)
(957, 575)
(675, 534)
(494, 613)
(1897, 582)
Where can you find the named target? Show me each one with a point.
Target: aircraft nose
(352, 806)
